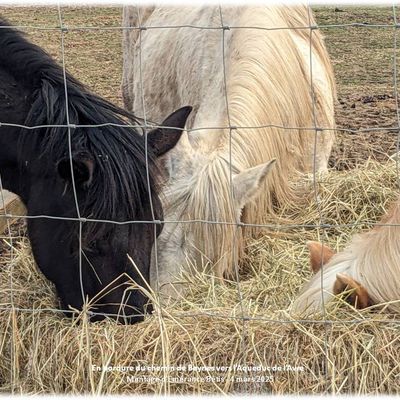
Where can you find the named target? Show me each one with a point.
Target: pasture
(43, 352)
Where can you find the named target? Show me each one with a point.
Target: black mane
(120, 186)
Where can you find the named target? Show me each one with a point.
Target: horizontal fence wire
(188, 314)
(210, 128)
(201, 221)
(199, 27)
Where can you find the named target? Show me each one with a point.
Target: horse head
(203, 203)
(88, 179)
(355, 293)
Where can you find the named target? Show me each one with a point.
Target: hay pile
(42, 352)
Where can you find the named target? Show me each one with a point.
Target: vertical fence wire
(318, 132)
(396, 95)
(143, 104)
(243, 337)
(159, 310)
(70, 154)
(63, 30)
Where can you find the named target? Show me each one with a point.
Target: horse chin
(113, 313)
(122, 319)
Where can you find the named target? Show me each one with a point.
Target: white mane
(267, 86)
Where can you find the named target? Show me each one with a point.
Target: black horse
(89, 176)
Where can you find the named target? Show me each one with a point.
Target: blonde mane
(255, 99)
(267, 86)
(215, 240)
(372, 259)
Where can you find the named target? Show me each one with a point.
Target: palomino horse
(102, 174)
(249, 75)
(368, 268)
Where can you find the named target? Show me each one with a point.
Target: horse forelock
(205, 197)
(120, 190)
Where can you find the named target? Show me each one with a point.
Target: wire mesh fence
(320, 228)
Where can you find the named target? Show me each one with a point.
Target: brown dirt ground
(362, 59)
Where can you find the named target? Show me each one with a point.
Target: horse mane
(255, 98)
(119, 187)
(372, 259)
(215, 240)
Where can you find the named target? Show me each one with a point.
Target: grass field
(362, 58)
(42, 352)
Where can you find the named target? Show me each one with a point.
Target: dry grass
(44, 352)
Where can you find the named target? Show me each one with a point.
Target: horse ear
(83, 167)
(358, 297)
(162, 140)
(319, 255)
(247, 183)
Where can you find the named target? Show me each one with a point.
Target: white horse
(369, 268)
(251, 75)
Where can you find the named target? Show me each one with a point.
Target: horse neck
(258, 108)
(319, 290)
(377, 262)
(371, 259)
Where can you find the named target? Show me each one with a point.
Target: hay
(42, 352)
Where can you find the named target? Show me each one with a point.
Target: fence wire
(320, 227)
